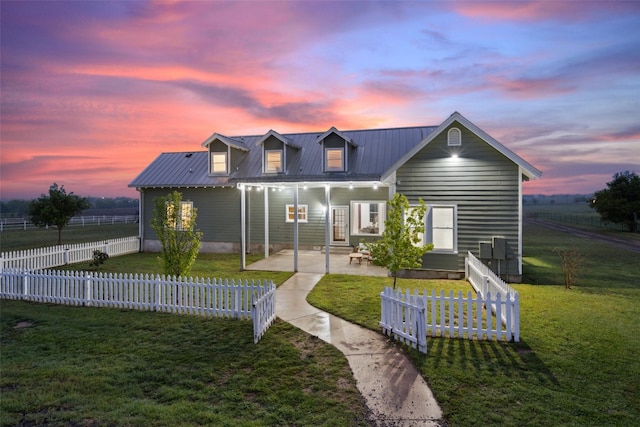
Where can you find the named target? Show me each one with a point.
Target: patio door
(339, 225)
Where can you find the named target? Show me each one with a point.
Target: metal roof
(372, 155)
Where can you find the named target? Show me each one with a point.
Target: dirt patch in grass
(24, 324)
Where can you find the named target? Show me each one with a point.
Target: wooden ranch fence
(180, 295)
(55, 256)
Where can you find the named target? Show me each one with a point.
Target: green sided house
(308, 191)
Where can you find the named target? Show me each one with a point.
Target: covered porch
(325, 210)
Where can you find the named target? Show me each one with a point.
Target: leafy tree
(399, 247)
(175, 225)
(56, 209)
(620, 202)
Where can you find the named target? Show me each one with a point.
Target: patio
(314, 262)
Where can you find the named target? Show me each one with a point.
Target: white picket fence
(410, 318)
(485, 282)
(180, 295)
(55, 256)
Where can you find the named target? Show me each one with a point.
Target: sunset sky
(92, 92)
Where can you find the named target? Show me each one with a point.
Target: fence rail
(13, 224)
(180, 295)
(55, 256)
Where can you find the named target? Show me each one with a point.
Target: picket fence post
(88, 292)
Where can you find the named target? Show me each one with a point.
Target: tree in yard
(572, 261)
(56, 209)
(174, 222)
(401, 246)
(620, 202)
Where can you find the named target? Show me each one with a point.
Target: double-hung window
(219, 162)
(442, 228)
(334, 159)
(273, 161)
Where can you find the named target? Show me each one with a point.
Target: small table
(355, 255)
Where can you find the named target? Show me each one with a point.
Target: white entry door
(339, 225)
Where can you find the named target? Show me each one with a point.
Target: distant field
(576, 214)
(15, 240)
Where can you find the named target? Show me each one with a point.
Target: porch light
(350, 186)
(375, 186)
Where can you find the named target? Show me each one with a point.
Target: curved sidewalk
(392, 387)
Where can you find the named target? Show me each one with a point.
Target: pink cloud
(539, 10)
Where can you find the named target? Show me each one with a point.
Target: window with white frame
(334, 159)
(273, 161)
(367, 218)
(454, 137)
(302, 213)
(182, 220)
(219, 162)
(442, 228)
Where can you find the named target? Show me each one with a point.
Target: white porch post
(243, 228)
(266, 221)
(327, 226)
(295, 229)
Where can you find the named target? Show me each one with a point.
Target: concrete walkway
(393, 389)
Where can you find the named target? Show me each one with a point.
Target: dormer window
(224, 153)
(273, 161)
(336, 149)
(334, 159)
(219, 163)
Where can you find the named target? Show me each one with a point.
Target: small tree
(572, 261)
(620, 202)
(400, 246)
(174, 223)
(56, 209)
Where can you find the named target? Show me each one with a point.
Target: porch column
(295, 228)
(265, 190)
(243, 228)
(327, 226)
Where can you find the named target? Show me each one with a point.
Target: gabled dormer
(336, 148)
(277, 152)
(224, 153)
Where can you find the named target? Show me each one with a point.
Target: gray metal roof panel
(374, 154)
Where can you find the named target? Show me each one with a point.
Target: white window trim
(305, 213)
(266, 163)
(429, 228)
(453, 143)
(226, 162)
(382, 215)
(342, 158)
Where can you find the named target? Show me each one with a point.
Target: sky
(92, 92)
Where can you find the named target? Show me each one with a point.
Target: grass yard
(17, 240)
(75, 366)
(577, 362)
(206, 265)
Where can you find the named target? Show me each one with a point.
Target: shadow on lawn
(514, 360)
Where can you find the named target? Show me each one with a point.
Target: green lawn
(75, 366)
(577, 362)
(16, 240)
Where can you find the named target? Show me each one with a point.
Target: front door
(339, 225)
